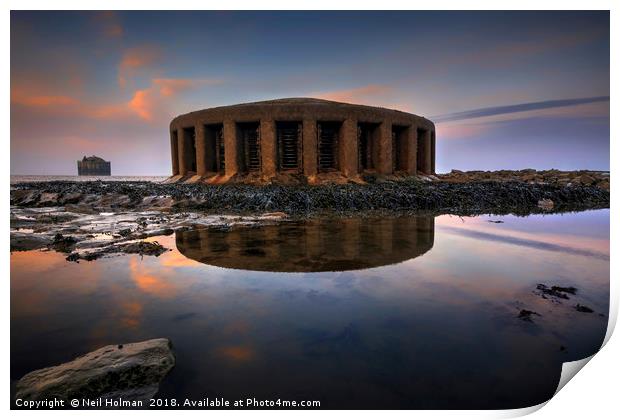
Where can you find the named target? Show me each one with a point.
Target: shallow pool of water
(408, 312)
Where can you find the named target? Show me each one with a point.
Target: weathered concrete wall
(348, 148)
(309, 146)
(309, 112)
(201, 149)
(268, 147)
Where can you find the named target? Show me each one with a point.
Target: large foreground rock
(131, 371)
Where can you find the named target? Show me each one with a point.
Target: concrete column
(174, 151)
(231, 149)
(309, 147)
(433, 152)
(428, 156)
(411, 150)
(201, 150)
(385, 148)
(182, 152)
(349, 158)
(268, 147)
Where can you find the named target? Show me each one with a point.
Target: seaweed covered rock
(131, 371)
(477, 196)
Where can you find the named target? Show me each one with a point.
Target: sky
(507, 90)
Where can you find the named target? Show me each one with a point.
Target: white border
(593, 395)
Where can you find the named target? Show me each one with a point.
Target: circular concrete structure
(299, 138)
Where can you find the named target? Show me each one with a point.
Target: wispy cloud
(109, 23)
(361, 95)
(136, 59)
(170, 87)
(510, 109)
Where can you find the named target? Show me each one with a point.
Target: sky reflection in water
(431, 324)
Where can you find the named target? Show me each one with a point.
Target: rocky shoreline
(460, 193)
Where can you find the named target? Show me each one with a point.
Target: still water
(406, 312)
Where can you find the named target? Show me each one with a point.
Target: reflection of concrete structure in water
(299, 138)
(313, 245)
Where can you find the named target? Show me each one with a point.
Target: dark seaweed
(471, 198)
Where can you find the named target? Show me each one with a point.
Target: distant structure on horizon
(299, 139)
(93, 165)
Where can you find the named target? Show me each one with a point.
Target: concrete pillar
(433, 152)
(231, 149)
(385, 148)
(428, 156)
(268, 148)
(174, 151)
(309, 147)
(349, 151)
(201, 150)
(182, 152)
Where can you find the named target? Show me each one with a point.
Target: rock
(28, 241)
(131, 371)
(48, 198)
(556, 291)
(545, 204)
(275, 215)
(583, 308)
(63, 243)
(586, 179)
(603, 185)
(141, 248)
(570, 290)
(526, 315)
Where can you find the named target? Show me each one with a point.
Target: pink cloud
(135, 60)
(22, 98)
(170, 87)
(456, 131)
(143, 104)
(110, 24)
(372, 94)
(366, 95)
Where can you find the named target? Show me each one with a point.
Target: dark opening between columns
(328, 136)
(174, 138)
(422, 151)
(399, 148)
(214, 148)
(367, 141)
(289, 146)
(190, 148)
(248, 136)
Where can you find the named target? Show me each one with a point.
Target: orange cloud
(169, 87)
(148, 104)
(136, 59)
(142, 104)
(21, 97)
(110, 24)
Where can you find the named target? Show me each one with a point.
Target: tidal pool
(405, 312)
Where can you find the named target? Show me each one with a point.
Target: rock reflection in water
(312, 245)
